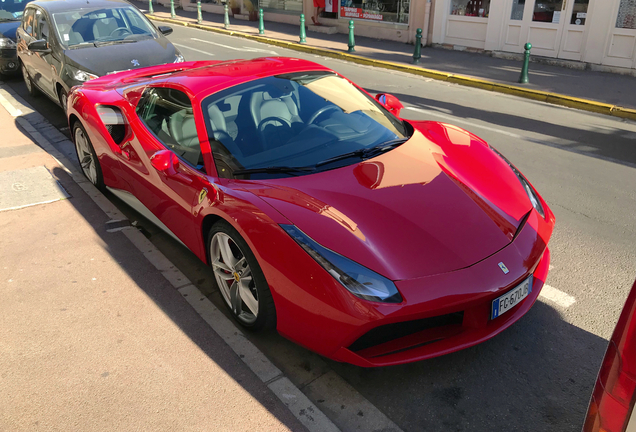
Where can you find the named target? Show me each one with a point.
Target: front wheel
(86, 156)
(29, 82)
(240, 278)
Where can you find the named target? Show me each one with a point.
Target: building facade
(593, 31)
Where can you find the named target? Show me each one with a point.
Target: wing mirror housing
(165, 30)
(165, 161)
(390, 102)
(39, 46)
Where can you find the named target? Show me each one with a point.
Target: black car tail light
(114, 121)
(615, 391)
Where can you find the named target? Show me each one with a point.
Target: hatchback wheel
(86, 156)
(240, 278)
(61, 95)
(28, 82)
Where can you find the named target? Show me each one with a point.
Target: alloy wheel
(85, 155)
(27, 79)
(234, 277)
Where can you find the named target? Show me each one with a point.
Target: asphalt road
(538, 374)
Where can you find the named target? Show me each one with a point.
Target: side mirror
(390, 102)
(165, 161)
(40, 46)
(165, 30)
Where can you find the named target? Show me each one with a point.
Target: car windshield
(296, 124)
(101, 26)
(12, 10)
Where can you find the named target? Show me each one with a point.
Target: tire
(245, 284)
(61, 96)
(86, 156)
(33, 91)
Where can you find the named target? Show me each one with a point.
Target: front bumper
(440, 313)
(9, 63)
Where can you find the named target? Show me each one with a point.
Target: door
(26, 35)
(621, 44)
(163, 162)
(44, 66)
(555, 28)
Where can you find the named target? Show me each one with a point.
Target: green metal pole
(150, 8)
(172, 13)
(523, 79)
(417, 54)
(303, 35)
(352, 41)
(199, 16)
(226, 17)
(261, 26)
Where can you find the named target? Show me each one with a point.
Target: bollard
(352, 42)
(199, 16)
(417, 54)
(261, 26)
(172, 13)
(151, 10)
(523, 79)
(303, 35)
(226, 16)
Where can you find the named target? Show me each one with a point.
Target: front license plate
(504, 303)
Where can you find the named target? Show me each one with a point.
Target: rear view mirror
(165, 161)
(40, 46)
(390, 102)
(165, 30)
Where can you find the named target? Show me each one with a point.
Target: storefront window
(579, 12)
(626, 15)
(517, 9)
(294, 6)
(547, 11)
(475, 8)
(396, 11)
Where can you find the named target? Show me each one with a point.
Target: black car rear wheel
(29, 83)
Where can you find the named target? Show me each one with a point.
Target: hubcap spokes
(234, 277)
(85, 156)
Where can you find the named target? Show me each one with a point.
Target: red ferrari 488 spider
(364, 237)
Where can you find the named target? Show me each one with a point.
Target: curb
(300, 406)
(537, 95)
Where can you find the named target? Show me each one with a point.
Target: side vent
(114, 121)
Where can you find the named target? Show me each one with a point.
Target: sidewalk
(607, 88)
(92, 336)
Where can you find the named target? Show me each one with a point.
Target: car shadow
(617, 145)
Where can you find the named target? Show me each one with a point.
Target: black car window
(11, 10)
(42, 27)
(27, 21)
(168, 114)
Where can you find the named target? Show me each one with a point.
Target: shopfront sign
(351, 12)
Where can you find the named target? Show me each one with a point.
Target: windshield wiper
(82, 45)
(115, 42)
(274, 170)
(366, 153)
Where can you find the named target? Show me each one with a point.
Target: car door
(163, 161)
(45, 64)
(25, 35)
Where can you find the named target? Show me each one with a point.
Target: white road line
(556, 296)
(237, 48)
(460, 120)
(193, 49)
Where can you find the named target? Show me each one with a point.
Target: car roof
(67, 5)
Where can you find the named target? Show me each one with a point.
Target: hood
(111, 58)
(8, 29)
(438, 203)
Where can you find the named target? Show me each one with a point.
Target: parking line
(193, 49)
(557, 296)
(236, 48)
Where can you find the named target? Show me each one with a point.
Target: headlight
(80, 75)
(356, 278)
(534, 199)
(6, 43)
(179, 59)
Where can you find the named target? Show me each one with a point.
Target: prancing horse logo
(503, 268)
(135, 62)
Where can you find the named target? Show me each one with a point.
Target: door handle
(565, 4)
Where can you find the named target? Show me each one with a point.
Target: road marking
(557, 296)
(460, 120)
(236, 48)
(193, 49)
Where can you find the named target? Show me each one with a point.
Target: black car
(63, 43)
(10, 16)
